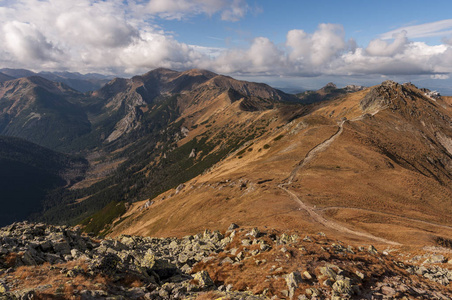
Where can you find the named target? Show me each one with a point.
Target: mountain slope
(125, 98)
(4, 77)
(160, 130)
(28, 173)
(328, 92)
(41, 111)
(77, 81)
(375, 164)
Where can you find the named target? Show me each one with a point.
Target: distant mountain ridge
(4, 77)
(329, 91)
(41, 111)
(80, 82)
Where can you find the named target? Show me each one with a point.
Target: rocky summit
(39, 261)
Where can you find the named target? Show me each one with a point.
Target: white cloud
(116, 36)
(95, 29)
(156, 50)
(27, 43)
(440, 76)
(313, 50)
(235, 11)
(439, 28)
(263, 56)
(326, 51)
(231, 10)
(380, 47)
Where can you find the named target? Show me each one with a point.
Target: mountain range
(172, 153)
(80, 82)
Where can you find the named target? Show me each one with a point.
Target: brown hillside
(373, 165)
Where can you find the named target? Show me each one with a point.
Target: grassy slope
(357, 181)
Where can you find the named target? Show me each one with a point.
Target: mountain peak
(159, 72)
(199, 72)
(330, 85)
(404, 97)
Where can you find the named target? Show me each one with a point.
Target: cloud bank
(123, 37)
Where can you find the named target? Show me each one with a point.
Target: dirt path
(312, 213)
(386, 214)
(313, 152)
(331, 224)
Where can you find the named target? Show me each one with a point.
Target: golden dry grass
(264, 272)
(57, 284)
(373, 178)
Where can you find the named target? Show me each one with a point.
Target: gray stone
(233, 226)
(246, 242)
(307, 239)
(435, 259)
(307, 275)
(293, 280)
(313, 292)
(328, 272)
(227, 260)
(75, 253)
(343, 286)
(255, 232)
(359, 274)
(203, 279)
(24, 294)
(62, 248)
(372, 250)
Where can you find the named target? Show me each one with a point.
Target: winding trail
(385, 214)
(312, 213)
(312, 153)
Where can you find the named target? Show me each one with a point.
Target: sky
(287, 43)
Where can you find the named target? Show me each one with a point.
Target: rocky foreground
(39, 261)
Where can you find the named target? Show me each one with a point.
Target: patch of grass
(97, 222)
(443, 242)
(241, 152)
(278, 137)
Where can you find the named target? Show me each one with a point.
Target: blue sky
(291, 44)
(362, 20)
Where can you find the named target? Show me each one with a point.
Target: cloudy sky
(285, 43)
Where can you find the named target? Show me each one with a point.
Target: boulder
(233, 226)
(162, 267)
(328, 272)
(293, 280)
(203, 279)
(343, 286)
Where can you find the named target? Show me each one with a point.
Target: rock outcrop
(43, 261)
